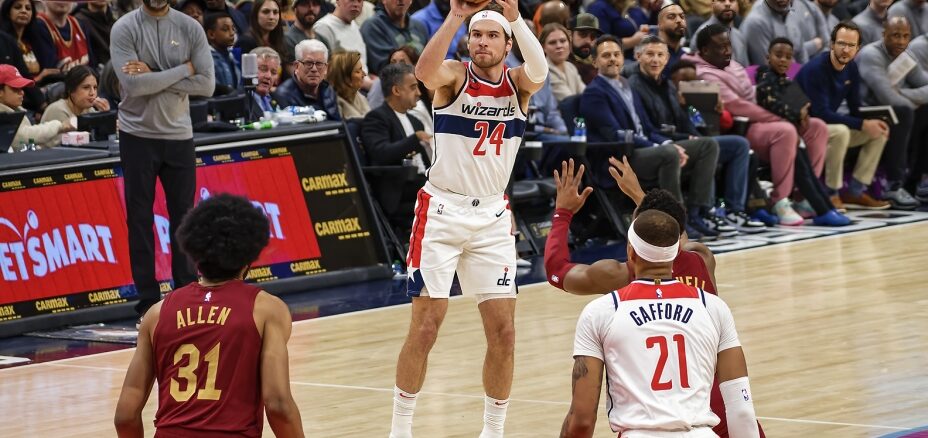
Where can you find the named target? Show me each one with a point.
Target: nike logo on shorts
(500, 213)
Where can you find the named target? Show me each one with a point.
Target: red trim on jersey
(477, 86)
(640, 291)
(418, 230)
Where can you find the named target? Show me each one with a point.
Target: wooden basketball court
(835, 331)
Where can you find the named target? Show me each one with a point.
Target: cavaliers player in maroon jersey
(693, 266)
(217, 347)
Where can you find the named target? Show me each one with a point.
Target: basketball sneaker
(699, 225)
(719, 225)
(744, 223)
(787, 215)
(900, 199)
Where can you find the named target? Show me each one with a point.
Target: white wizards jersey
(477, 137)
(660, 345)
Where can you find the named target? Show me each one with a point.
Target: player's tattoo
(580, 371)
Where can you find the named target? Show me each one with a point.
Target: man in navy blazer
(611, 108)
(390, 135)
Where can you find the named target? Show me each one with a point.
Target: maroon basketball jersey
(688, 268)
(207, 351)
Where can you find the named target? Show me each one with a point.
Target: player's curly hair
(663, 201)
(223, 235)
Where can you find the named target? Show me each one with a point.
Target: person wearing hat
(195, 9)
(584, 30)
(11, 100)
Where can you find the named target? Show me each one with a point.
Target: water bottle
(696, 118)
(398, 272)
(265, 124)
(579, 130)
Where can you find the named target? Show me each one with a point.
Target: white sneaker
(744, 223)
(787, 215)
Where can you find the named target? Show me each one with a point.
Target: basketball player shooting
(462, 219)
(217, 347)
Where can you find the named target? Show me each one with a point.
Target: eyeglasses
(311, 64)
(845, 45)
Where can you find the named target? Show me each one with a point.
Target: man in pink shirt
(774, 139)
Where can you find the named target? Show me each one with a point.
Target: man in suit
(390, 136)
(609, 105)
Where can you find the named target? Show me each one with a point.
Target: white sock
(404, 404)
(494, 417)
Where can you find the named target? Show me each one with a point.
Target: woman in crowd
(565, 79)
(80, 97)
(18, 19)
(346, 74)
(266, 28)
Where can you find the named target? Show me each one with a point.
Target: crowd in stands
(792, 78)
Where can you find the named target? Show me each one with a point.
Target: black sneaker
(700, 226)
(744, 223)
(720, 225)
(692, 234)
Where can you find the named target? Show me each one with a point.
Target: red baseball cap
(9, 75)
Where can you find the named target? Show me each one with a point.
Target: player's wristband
(739, 407)
(557, 255)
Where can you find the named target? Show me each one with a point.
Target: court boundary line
(764, 247)
(516, 400)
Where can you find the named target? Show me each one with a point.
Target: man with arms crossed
(219, 352)
(463, 223)
(661, 343)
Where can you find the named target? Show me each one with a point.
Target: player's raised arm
(139, 379)
(282, 412)
(531, 75)
(577, 278)
(432, 69)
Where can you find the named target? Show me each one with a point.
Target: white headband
(649, 252)
(492, 16)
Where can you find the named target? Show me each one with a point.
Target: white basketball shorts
(470, 236)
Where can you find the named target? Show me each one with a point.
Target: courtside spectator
(11, 100)
(340, 32)
(725, 12)
(564, 78)
(80, 87)
(346, 74)
(909, 95)
(610, 105)
(67, 35)
(389, 28)
(915, 11)
(870, 21)
(774, 139)
(584, 32)
(195, 9)
(266, 29)
(220, 33)
(240, 20)
(307, 86)
(432, 16)
(97, 18)
(614, 20)
(770, 19)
